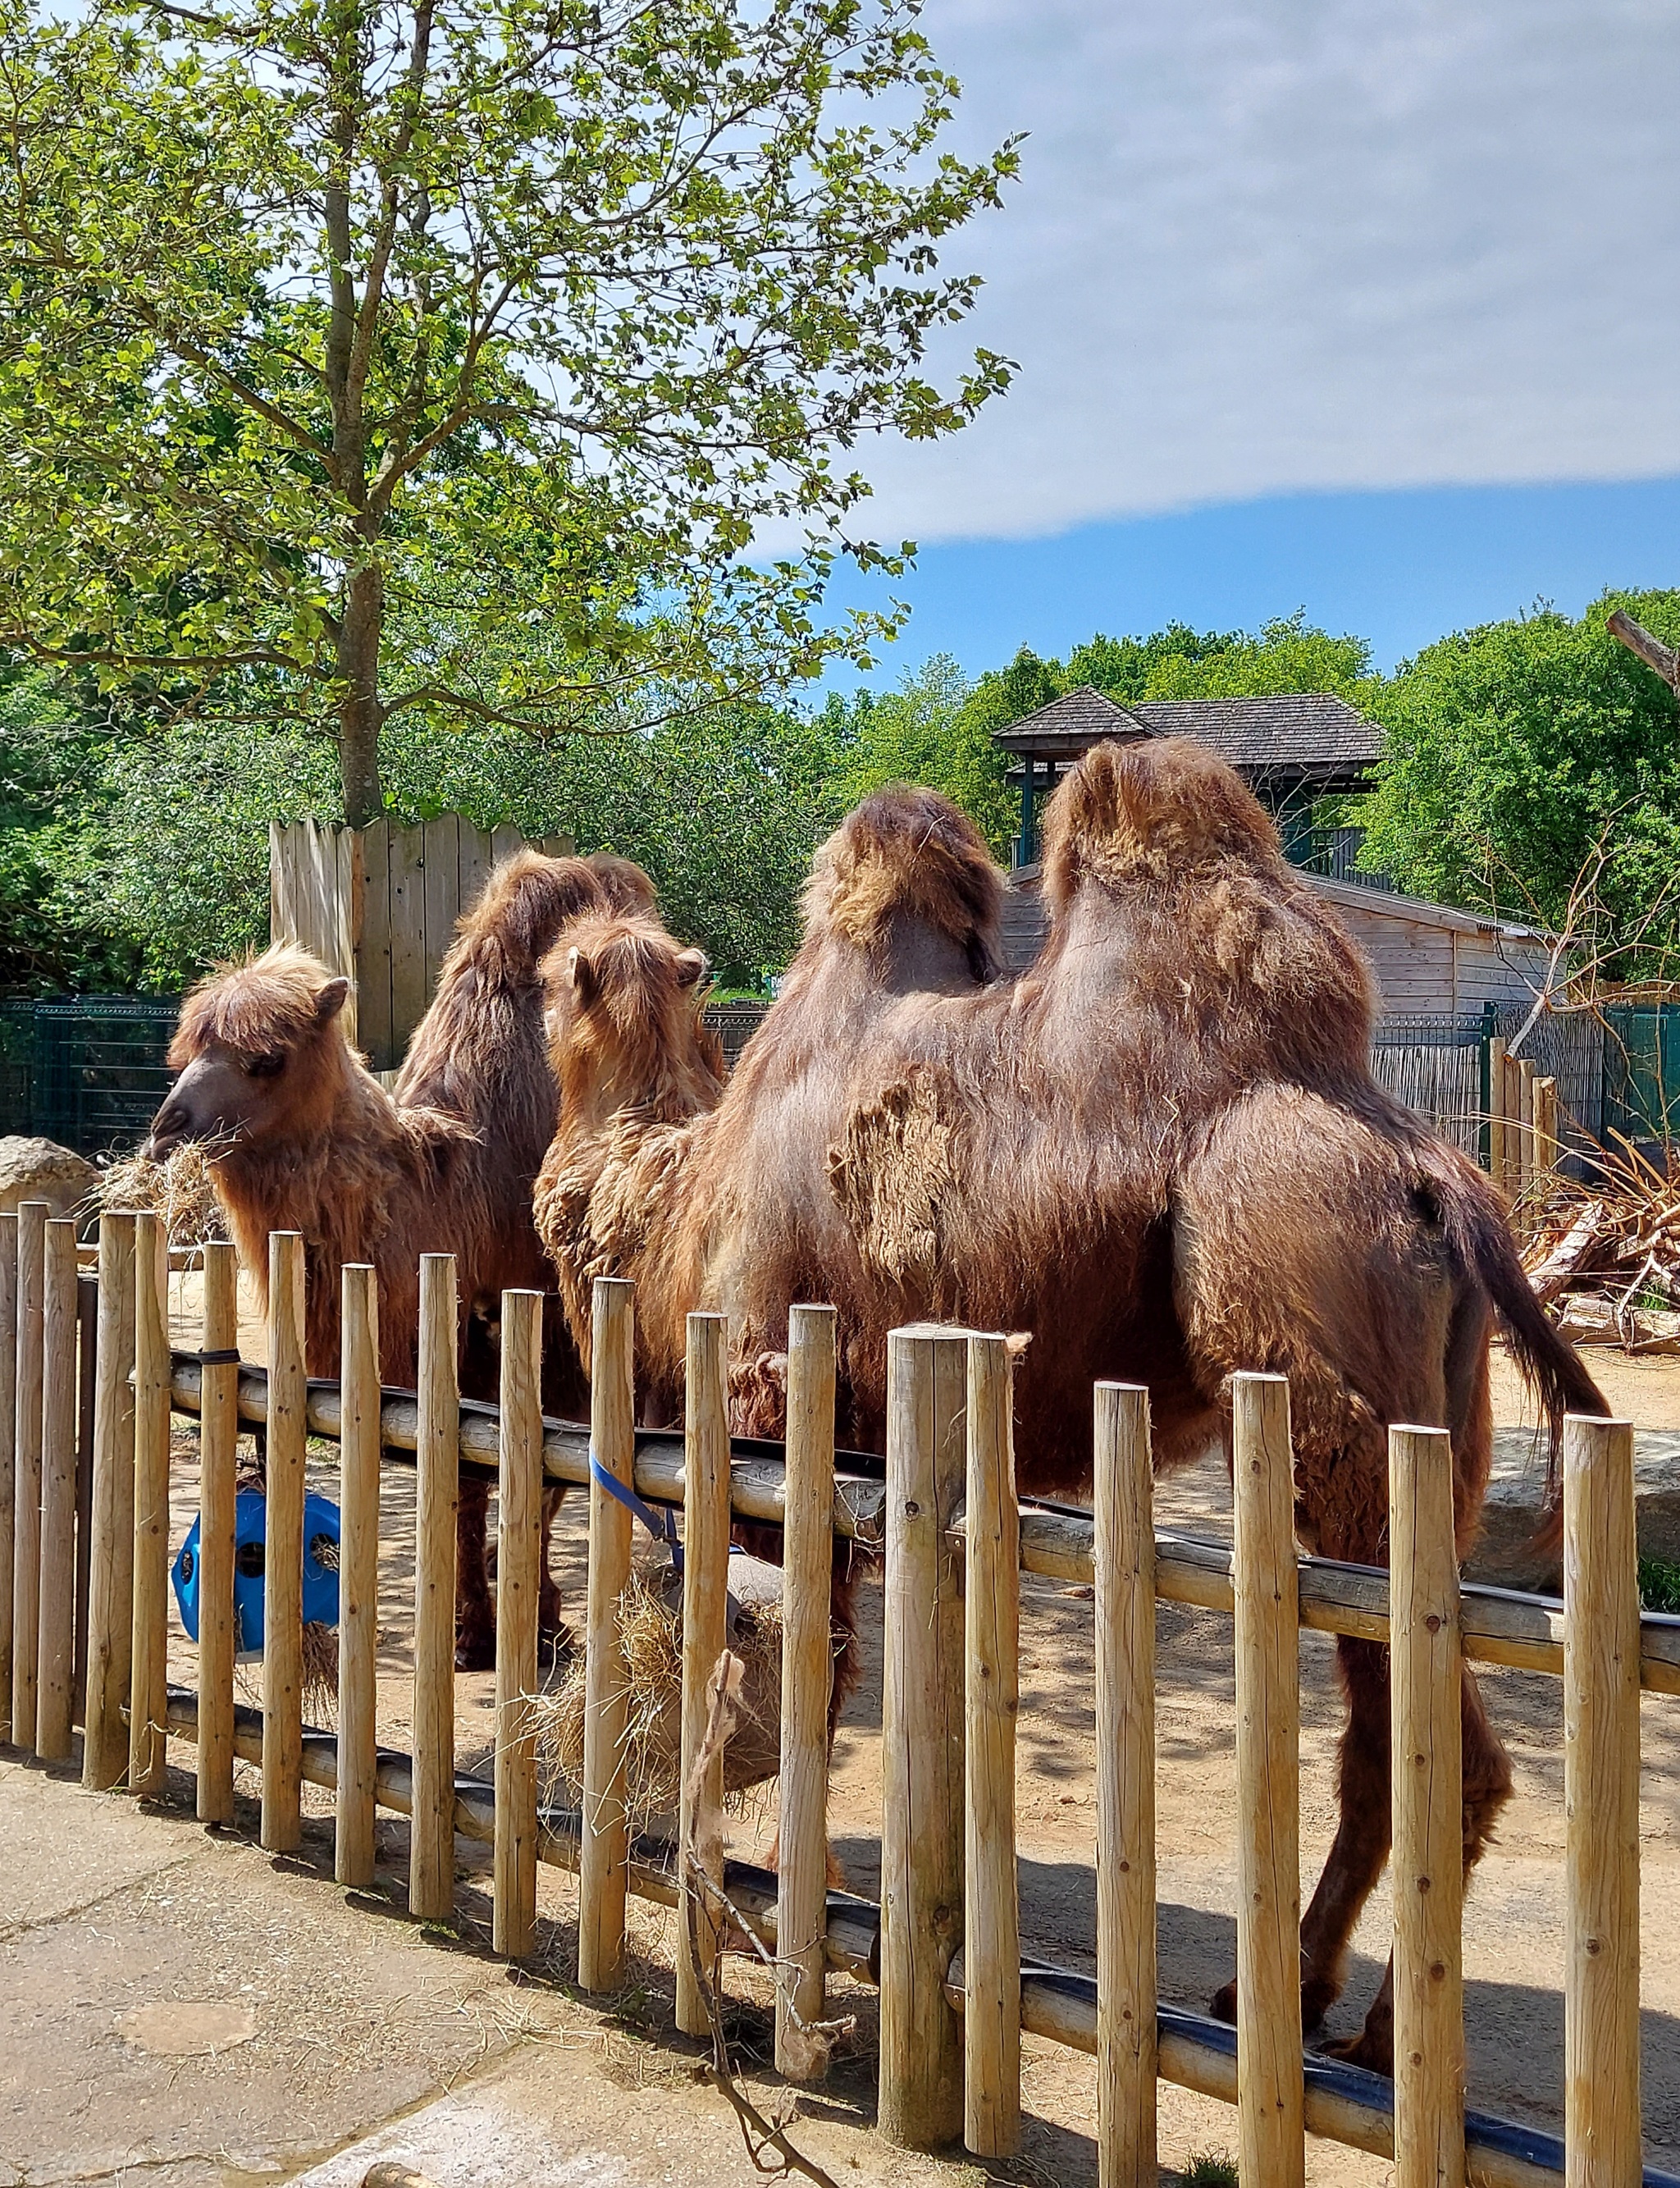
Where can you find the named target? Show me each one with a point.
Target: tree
(1517, 751)
(930, 730)
(363, 359)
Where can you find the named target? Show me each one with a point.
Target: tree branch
(1649, 648)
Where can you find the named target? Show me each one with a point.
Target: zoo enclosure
(86, 1476)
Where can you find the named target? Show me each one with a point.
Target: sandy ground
(522, 2047)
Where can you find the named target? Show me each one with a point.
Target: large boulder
(33, 1168)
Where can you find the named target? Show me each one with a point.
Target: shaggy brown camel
(1160, 1152)
(301, 1137)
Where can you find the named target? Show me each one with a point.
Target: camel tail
(1479, 1233)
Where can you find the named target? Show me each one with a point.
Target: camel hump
(1151, 809)
(907, 850)
(890, 1171)
(530, 897)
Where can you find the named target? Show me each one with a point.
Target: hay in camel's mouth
(180, 1189)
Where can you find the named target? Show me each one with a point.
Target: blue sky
(1365, 306)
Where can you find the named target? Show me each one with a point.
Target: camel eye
(266, 1067)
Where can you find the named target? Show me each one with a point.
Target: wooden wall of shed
(1424, 967)
(380, 905)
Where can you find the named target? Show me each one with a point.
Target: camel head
(1151, 811)
(907, 879)
(262, 1054)
(624, 1024)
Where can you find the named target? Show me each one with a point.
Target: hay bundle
(180, 1189)
(650, 1622)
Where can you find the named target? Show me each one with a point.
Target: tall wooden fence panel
(380, 906)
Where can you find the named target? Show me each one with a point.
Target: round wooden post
(1526, 1074)
(807, 1685)
(1429, 1831)
(218, 1438)
(359, 1454)
(1497, 1149)
(921, 2105)
(991, 1953)
(1125, 1789)
(282, 1828)
(88, 1336)
(706, 1557)
(8, 1451)
(110, 1574)
(1601, 1808)
(149, 1706)
(519, 1564)
(1269, 2092)
(603, 1873)
(431, 1841)
(1546, 1126)
(26, 1535)
(54, 1704)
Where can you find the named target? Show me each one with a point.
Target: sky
(1363, 308)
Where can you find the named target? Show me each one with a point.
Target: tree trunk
(359, 710)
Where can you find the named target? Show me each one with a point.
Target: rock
(40, 1170)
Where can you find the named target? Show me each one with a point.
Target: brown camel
(1160, 1152)
(303, 1138)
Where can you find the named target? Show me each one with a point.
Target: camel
(302, 1137)
(1160, 1152)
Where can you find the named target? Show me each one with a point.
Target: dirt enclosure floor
(179, 2007)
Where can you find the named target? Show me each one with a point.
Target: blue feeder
(320, 1569)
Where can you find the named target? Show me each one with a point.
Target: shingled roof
(1305, 732)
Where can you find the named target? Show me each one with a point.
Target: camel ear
(692, 966)
(331, 1000)
(582, 974)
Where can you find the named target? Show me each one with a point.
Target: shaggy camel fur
(303, 1138)
(1160, 1152)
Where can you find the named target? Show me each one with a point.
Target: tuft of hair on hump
(908, 849)
(624, 886)
(263, 1003)
(526, 900)
(1148, 810)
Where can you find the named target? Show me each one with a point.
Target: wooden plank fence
(943, 1944)
(380, 906)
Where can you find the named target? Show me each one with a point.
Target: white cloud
(1282, 245)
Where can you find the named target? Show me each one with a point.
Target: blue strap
(660, 1523)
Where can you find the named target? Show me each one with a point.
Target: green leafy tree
(1516, 751)
(1127, 668)
(932, 729)
(363, 360)
(1287, 655)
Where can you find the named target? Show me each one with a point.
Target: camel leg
(475, 1619)
(1361, 1846)
(551, 1627)
(1487, 1787)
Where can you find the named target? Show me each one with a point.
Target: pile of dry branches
(1604, 1255)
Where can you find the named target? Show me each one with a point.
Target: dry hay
(1603, 1254)
(650, 1624)
(180, 1189)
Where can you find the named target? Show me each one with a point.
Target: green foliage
(1208, 2168)
(930, 730)
(1660, 1585)
(1513, 749)
(366, 360)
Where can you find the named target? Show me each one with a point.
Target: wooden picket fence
(944, 1942)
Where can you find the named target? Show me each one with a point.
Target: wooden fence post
(1427, 1861)
(921, 2103)
(1545, 1147)
(520, 1548)
(26, 1537)
(110, 1574)
(1125, 1789)
(149, 1703)
(54, 1706)
(8, 1453)
(282, 1827)
(603, 1873)
(705, 1554)
(218, 1439)
(88, 1349)
(358, 1456)
(807, 1685)
(1497, 1142)
(991, 1952)
(1270, 2091)
(1601, 1808)
(1526, 1074)
(432, 1832)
